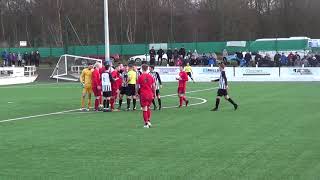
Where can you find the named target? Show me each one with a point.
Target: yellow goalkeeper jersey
(188, 69)
(85, 77)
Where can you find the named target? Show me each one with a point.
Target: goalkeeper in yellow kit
(86, 82)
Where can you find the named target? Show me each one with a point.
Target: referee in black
(223, 89)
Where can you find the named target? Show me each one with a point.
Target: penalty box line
(68, 111)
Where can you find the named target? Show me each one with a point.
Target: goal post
(69, 67)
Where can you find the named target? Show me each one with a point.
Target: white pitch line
(39, 115)
(203, 101)
(62, 112)
(195, 104)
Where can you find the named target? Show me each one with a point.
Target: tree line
(80, 22)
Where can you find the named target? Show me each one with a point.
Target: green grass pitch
(275, 134)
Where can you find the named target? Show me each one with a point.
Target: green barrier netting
(139, 49)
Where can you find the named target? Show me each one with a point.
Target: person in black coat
(160, 56)
(37, 58)
(277, 59)
(152, 53)
(32, 58)
(26, 58)
(182, 52)
(248, 58)
(169, 55)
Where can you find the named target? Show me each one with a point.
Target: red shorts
(182, 90)
(96, 92)
(146, 100)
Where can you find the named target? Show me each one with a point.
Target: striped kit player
(223, 89)
(106, 79)
(158, 85)
(124, 90)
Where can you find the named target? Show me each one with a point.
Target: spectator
(182, 52)
(313, 62)
(26, 58)
(225, 55)
(243, 63)
(212, 61)
(19, 59)
(169, 55)
(14, 59)
(247, 58)
(214, 55)
(160, 56)
(10, 59)
(37, 58)
(4, 56)
(284, 60)
(189, 54)
(290, 59)
(305, 62)
(175, 54)
(152, 53)
(31, 55)
(179, 61)
(239, 57)
(277, 59)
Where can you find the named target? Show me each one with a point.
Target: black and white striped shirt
(124, 77)
(156, 78)
(223, 82)
(106, 81)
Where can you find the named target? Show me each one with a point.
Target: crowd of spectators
(9, 59)
(278, 60)
(176, 57)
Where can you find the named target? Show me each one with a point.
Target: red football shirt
(115, 84)
(184, 78)
(96, 80)
(146, 83)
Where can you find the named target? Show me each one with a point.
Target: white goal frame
(56, 75)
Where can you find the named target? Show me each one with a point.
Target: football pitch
(274, 135)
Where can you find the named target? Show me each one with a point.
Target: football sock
(231, 101)
(100, 100)
(217, 103)
(149, 114)
(145, 116)
(128, 103)
(104, 103)
(96, 104)
(120, 102)
(134, 103)
(108, 102)
(82, 102)
(181, 100)
(154, 103)
(112, 103)
(159, 101)
(184, 98)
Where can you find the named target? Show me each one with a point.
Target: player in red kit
(182, 86)
(146, 91)
(96, 85)
(115, 87)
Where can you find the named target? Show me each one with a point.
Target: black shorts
(131, 90)
(124, 90)
(189, 74)
(222, 92)
(157, 92)
(107, 94)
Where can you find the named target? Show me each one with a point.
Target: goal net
(69, 67)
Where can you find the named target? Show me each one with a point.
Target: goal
(69, 67)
